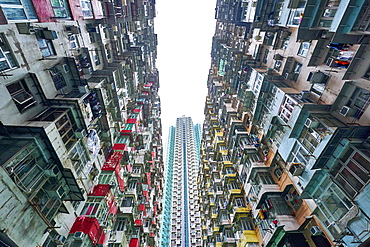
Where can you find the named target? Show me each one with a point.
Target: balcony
(263, 191)
(247, 238)
(249, 145)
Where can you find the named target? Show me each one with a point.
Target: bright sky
(185, 30)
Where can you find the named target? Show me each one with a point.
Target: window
(233, 186)
(297, 67)
(310, 138)
(295, 17)
(25, 167)
(318, 88)
(285, 43)
(329, 12)
(60, 8)
(46, 47)
(277, 65)
(136, 169)
(66, 126)
(95, 207)
(7, 60)
(79, 160)
(264, 178)
(21, 95)
(246, 223)
(86, 9)
(359, 100)
(97, 57)
(108, 51)
(16, 10)
(303, 49)
(58, 78)
(332, 203)
(299, 155)
(265, 56)
(325, 23)
(73, 41)
(351, 171)
(286, 109)
(120, 225)
(239, 202)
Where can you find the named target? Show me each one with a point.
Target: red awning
(131, 120)
(120, 146)
(136, 110)
(142, 207)
(148, 174)
(155, 210)
(113, 208)
(153, 154)
(138, 222)
(100, 190)
(145, 193)
(120, 180)
(91, 227)
(113, 160)
(134, 242)
(125, 132)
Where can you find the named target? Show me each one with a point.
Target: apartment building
(181, 217)
(80, 130)
(286, 131)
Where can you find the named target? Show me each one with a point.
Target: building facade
(181, 218)
(80, 124)
(286, 131)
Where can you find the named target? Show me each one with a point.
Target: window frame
(64, 5)
(6, 54)
(23, 91)
(46, 45)
(303, 51)
(25, 5)
(352, 168)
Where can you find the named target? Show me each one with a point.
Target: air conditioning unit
(289, 197)
(278, 57)
(78, 235)
(73, 29)
(83, 89)
(316, 231)
(296, 169)
(60, 240)
(52, 172)
(305, 94)
(93, 29)
(87, 70)
(311, 123)
(49, 34)
(288, 76)
(315, 77)
(81, 133)
(348, 111)
(55, 191)
(65, 68)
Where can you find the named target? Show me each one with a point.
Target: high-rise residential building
(80, 129)
(181, 217)
(285, 142)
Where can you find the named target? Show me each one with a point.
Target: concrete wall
(18, 219)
